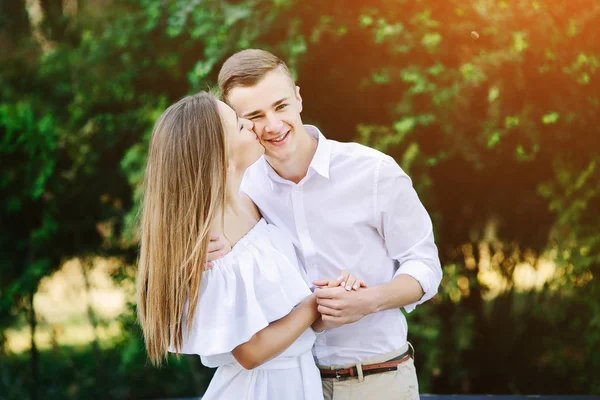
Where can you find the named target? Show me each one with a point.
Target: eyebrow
(255, 113)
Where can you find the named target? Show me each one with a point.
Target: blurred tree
(53, 144)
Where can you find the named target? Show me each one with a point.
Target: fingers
(209, 265)
(349, 281)
(333, 283)
(215, 244)
(326, 282)
(326, 311)
(215, 249)
(352, 283)
(331, 321)
(321, 282)
(329, 293)
(214, 256)
(333, 304)
(345, 280)
(343, 276)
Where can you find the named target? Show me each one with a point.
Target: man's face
(273, 105)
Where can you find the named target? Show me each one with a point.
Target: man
(345, 206)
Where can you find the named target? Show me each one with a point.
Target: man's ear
(298, 97)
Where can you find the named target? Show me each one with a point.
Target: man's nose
(273, 123)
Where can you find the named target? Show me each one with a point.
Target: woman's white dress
(258, 282)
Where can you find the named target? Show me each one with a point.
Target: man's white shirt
(357, 210)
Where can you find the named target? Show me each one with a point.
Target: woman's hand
(320, 326)
(214, 251)
(345, 280)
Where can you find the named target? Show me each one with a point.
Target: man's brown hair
(248, 67)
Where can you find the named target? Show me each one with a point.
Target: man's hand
(319, 325)
(215, 247)
(339, 306)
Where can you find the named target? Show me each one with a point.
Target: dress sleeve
(240, 297)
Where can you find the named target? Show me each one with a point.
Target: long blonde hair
(184, 190)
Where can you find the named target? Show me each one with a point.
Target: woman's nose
(248, 124)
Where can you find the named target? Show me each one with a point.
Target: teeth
(279, 139)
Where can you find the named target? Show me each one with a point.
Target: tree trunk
(34, 351)
(14, 20)
(86, 265)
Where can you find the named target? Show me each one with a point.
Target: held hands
(341, 301)
(345, 280)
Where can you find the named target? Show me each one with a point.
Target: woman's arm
(278, 336)
(320, 326)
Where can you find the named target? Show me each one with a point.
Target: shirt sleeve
(406, 227)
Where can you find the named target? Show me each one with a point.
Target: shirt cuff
(420, 271)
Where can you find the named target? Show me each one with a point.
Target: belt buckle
(337, 375)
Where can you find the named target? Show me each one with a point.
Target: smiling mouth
(279, 138)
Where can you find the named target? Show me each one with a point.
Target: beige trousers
(400, 384)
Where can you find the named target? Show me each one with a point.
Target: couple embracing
(279, 256)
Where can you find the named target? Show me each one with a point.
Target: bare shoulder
(249, 205)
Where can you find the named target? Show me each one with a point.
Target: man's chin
(276, 155)
(275, 151)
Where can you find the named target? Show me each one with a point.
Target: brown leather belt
(369, 369)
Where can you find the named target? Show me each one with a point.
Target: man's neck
(295, 168)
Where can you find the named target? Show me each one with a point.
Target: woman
(250, 315)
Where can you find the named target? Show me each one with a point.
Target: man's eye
(281, 107)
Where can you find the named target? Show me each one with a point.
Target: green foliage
(76, 373)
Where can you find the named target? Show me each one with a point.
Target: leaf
(431, 41)
(493, 140)
(520, 44)
(493, 94)
(550, 118)
(405, 125)
(511, 122)
(436, 70)
(365, 21)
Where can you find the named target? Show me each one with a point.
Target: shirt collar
(322, 157)
(319, 163)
